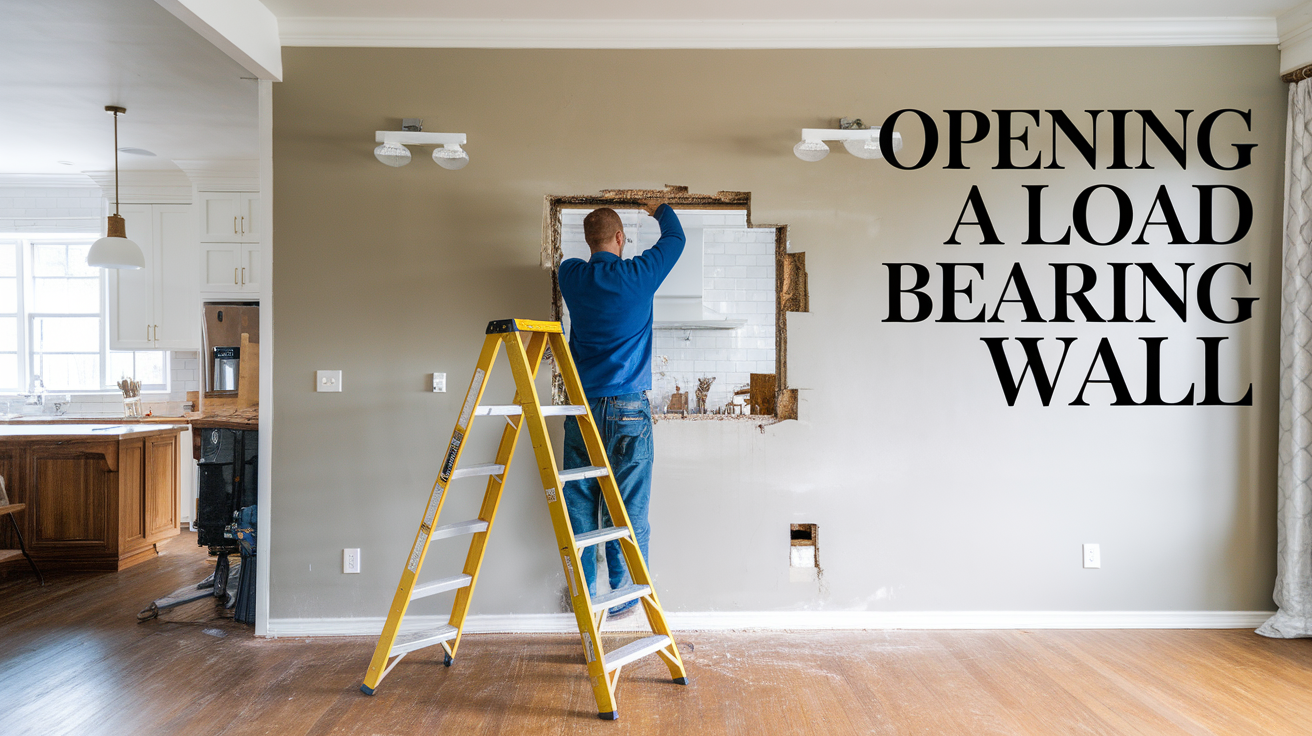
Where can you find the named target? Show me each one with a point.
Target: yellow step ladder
(525, 359)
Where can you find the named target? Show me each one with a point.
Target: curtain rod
(1298, 75)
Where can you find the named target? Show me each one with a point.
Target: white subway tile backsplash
(738, 283)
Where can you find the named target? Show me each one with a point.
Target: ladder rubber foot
(609, 715)
(680, 681)
(446, 659)
(366, 690)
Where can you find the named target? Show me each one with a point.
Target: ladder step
(623, 595)
(587, 471)
(474, 470)
(499, 410)
(635, 650)
(473, 526)
(587, 539)
(440, 586)
(510, 410)
(408, 641)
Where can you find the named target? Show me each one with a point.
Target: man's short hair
(600, 226)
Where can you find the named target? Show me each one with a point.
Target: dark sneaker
(623, 611)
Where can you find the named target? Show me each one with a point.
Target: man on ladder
(610, 308)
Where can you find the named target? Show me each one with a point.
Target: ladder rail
(549, 474)
(378, 668)
(537, 345)
(633, 559)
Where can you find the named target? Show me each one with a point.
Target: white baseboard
(562, 623)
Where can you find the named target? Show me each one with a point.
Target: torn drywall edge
(564, 623)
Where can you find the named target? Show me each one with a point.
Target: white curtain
(1293, 591)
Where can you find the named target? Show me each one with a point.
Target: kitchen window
(53, 331)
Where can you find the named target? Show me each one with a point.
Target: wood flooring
(73, 660)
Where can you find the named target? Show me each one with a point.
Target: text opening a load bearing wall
(1094, 220)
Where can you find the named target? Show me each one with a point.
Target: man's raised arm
(655, 263)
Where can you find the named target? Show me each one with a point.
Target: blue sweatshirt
(610, 312)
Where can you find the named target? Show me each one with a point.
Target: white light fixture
(810, 149)
(392, 154)
(450, 156)
(859, 141)
(115, 250)
(393, 151)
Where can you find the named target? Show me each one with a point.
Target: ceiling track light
(115, 250)
(859, 141)
(393, 152)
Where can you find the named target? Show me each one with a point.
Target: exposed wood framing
(790, 296)
(790, 268)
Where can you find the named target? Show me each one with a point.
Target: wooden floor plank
(73, 660)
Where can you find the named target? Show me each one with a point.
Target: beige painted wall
(930, 492)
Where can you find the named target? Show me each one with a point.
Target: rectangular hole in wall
(718, 339)
(804, 546)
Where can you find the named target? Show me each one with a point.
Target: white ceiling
(780, 9)
(62, 61)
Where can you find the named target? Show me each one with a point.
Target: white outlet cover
(1092, 556)
(328, 381)
(351, 560)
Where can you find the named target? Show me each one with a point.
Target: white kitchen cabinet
(228, 216)
(230, 267)
(157, 307)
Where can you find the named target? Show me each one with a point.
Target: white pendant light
(115, 250)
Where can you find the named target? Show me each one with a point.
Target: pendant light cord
(116, 163)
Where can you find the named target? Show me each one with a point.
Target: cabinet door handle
(243, 276)
(234, 275)
(243, 225)
(234, 224)
(156, 333)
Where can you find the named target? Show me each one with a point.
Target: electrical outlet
(328, 381)
(1092, 556)
(350, 560)
(439, 383)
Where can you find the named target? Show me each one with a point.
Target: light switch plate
(439, 383)
(1092, 556)
(328, 381)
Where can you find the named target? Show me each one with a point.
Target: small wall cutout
(803, 553)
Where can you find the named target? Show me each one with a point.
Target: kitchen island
(99, 496)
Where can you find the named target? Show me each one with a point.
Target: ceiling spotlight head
(811, 150)
(867, 148)
(392, 154)
(451, 156)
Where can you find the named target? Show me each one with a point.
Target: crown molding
(1294, 28)
(224, 175)
(164, 186)
(772, 34)
(33, 181)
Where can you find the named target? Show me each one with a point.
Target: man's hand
(651, 205)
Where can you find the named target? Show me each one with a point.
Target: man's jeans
(625, 425)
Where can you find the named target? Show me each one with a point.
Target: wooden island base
(98, 497)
